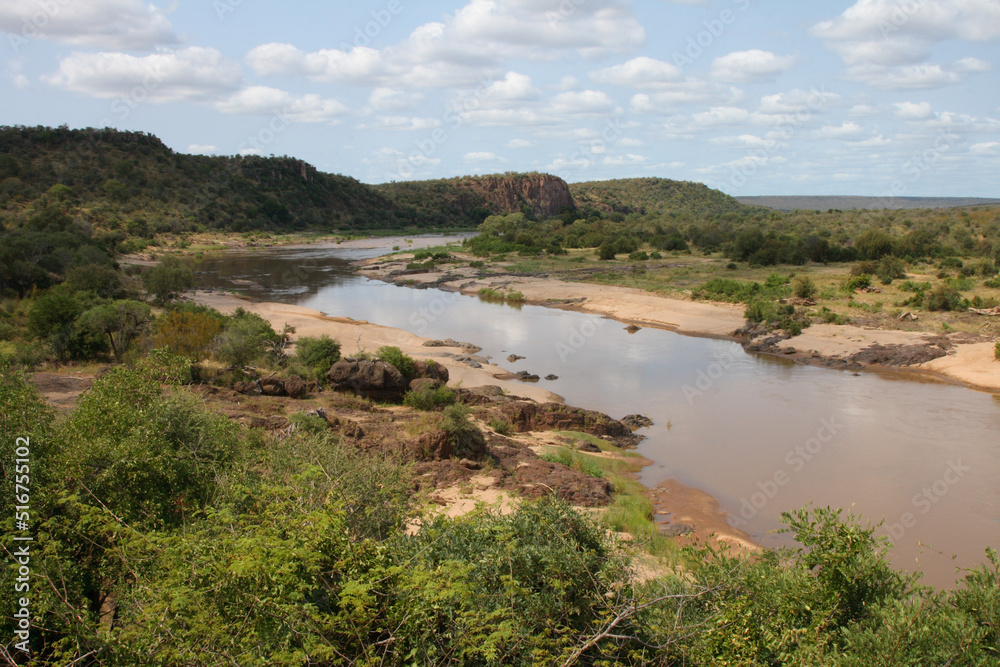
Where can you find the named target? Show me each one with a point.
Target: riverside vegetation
(169, 533)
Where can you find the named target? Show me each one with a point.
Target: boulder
(430, 369)
(424, 384)
(249, 388)
(272, 387)
(295, 387)
(369, 379)
(637, 421)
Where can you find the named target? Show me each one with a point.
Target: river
(760, 434)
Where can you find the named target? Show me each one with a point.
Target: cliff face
(543, 194)
(471, 198)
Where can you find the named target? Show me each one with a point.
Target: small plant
(394, 356)
(501, 426)
(942, 298)
(860, 282)
(429, 399)
(804, 288)
(996, 352)
(830, 317)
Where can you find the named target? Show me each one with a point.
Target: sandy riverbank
(965, 359)
(358, 335)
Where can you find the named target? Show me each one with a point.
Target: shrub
(858, 282)
(606, 251)
(726, 289)
(996, 352)
(393, 355)
(639, 255)
(168, 278)
(465, 437)
(889, 269)
(761, 310)
(776, 280)
(189, 334)
(655, 255)
(993, 284)
(804, 288)
(504, 427)
(942, 298)
(429, 399)
(245, 340)
(830, 317)
(318, 354)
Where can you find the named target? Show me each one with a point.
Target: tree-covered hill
(116, 178)
(650, 196)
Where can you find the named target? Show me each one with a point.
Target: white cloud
(873, 142)
(585, 102)
(482, 156)
(721, 116)
(403, 123)
(130, 25)
(192, 74)
(629, 142)
(844, 131)
(389, 99)
(642, 72)
(889, 32)
(907, 77)
(264, 101)
(913, 110)
(973, 66)
(519, 143)
(986, 148)
(21, 82)
(628, 160)
(200, 149)
(691, 91)
(513, 89)
(752, 65)
(742, 141)
(797, 101)
(475, 41)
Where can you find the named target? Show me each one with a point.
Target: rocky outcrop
(369, 379)
(529, 416)
(545, 195)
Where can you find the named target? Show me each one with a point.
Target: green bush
(761, 309)
(804, 288)
(167, 278)
(942, 298)
(502, 426)
(639, 255)
(992, 284)
(776, 280)
(889, 269)
(429, 399)
(394, 356)
(466, 439)
(859, 282)
(246, 339)
(317, 354)
(996, 352)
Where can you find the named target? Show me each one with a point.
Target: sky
(752, 97)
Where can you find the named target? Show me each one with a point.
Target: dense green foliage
(167, 535)
(652, 196)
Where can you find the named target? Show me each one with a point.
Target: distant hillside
(825, 203)
(652, 196)
(473, 198)
(134, 176)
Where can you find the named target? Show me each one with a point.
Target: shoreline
(687, 507)
(954, 358)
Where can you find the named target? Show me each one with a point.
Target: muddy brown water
(761, 434)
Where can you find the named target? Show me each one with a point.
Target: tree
(121, 321)
(168, 278)
(187, 333)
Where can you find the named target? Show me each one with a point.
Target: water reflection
(737, 420)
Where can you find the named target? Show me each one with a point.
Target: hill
(649, 196)
(825, 203)
(473, 198)
(117, 177)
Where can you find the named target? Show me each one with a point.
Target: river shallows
(760, 434)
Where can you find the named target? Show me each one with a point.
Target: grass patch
(496, 296)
